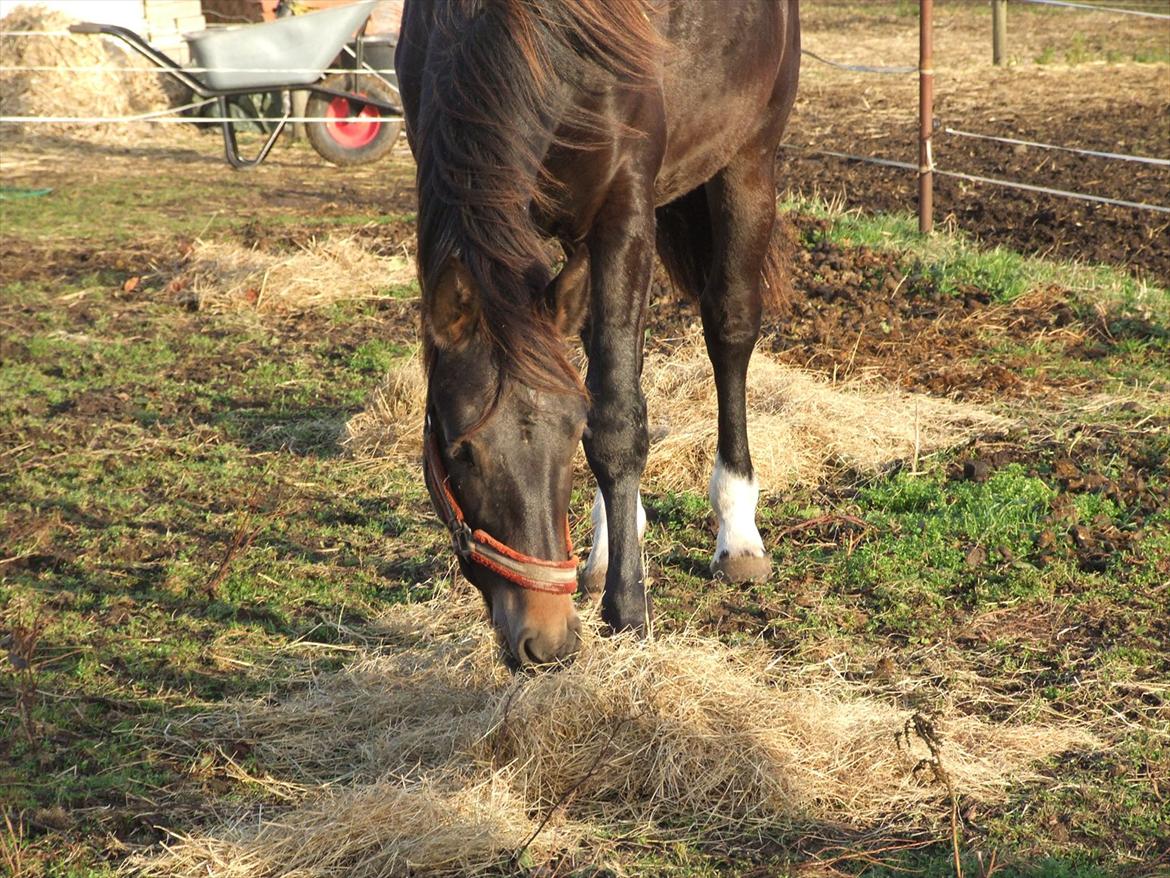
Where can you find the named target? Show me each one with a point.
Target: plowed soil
(1092, 104)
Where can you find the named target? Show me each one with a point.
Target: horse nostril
(536, 648)
(527, 652)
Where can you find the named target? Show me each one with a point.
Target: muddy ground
(1066, 86)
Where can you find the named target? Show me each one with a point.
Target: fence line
(1063, 193)
(168, 116)
(861, 68)
(994, 181)
(1147, 160)
(160, 71)
(868, 159)
(1117, 10)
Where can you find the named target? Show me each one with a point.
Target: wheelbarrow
(346, 124)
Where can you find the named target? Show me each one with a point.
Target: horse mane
(496, 86)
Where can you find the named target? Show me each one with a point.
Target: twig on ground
(242, 538)
(22, 647)
(820, 521)
(567, 796)
(11, 846)
(924, 730)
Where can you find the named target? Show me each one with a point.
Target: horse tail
(778, 292)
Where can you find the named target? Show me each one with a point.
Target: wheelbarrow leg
(231, 149)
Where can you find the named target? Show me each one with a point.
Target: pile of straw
(86, 81)
(801, 426)
(390, 428)
(425, 757)
(224, 275)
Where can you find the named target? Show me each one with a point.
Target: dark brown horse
(614, 128)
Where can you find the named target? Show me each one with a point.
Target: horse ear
(568, 292)
(452, 307)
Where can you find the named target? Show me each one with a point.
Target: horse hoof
(591, 583)
(742, 568)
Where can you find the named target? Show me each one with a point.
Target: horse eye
(461, 451)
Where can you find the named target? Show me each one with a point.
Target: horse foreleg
(621, 245)
(742, 214)
(592, 578)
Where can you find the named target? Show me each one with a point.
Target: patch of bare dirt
(1117, 107)
(860, 310)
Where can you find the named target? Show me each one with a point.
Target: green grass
(117, 212)
(952, 261)
(180, 527)
(139, 460)
(919, 565)
(1079, 50)
(201, 196)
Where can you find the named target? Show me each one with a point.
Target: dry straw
(801, 426)
(221, 275)
(425, 757)
(390, 428)
(86, 80)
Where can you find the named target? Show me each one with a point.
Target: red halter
(480, 547)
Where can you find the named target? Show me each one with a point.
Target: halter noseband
(479, 547)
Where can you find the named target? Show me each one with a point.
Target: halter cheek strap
(479, 547)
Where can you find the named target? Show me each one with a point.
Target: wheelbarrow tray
(256, 56)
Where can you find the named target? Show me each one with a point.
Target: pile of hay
(801, 426)
(86, 80)
(424, 756)
(390, 428)
(226, 275)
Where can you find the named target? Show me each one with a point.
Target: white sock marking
(598, 561)
(734, 500)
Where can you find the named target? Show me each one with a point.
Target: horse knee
(617, 445)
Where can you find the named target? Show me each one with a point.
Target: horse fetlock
(591, 583)
(591, 579)
(739, 550)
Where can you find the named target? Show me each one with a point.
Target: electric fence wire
(862, 68)
(1116, 10)
(1118, 156)
(975, 178)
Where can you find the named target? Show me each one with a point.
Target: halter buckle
(461, 538)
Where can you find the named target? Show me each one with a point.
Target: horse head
(499, 461)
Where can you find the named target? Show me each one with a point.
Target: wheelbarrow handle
(150, 53)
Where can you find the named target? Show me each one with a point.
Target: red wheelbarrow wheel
(351, 135)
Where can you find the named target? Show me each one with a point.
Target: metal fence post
(925, 116)
(999, 32)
